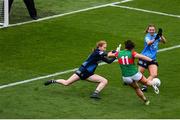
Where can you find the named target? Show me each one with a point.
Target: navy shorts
(83, 73)
(145, 64)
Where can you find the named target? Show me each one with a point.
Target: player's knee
(105, 82)
(154, 75)
(66, 83)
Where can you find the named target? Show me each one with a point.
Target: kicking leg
(67, 82)
(149, 83)
(145, 81)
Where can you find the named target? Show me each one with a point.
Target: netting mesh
(1, 11)
(4, 14)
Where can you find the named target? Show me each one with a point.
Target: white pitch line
(147, 11)
(69, 13)
(68, 71)
(169, 48)
(38, 78)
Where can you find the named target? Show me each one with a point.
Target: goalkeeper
(87, 69)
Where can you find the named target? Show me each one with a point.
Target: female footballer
(151, 42)
(130, 73)
(87, 69)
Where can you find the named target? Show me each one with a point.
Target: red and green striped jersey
(126, 61)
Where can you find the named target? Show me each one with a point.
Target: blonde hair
(147, 28)
(100, 43)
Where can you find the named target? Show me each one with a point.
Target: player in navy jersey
(151, 43)
(87, 69)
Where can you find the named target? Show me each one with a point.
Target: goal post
(4, 13)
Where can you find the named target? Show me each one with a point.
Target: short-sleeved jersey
(94, 58)
(150, 50)
(126, 61)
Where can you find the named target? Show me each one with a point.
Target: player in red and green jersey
(130, 73)
(126, 61)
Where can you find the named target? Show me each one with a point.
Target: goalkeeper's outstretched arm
(108, 60)
(111, 55)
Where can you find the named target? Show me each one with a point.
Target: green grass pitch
(42, 48)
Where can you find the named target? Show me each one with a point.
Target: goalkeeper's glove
(113, 51)
(118, 49)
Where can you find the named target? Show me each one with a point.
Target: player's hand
(113, 51)
(159, 34)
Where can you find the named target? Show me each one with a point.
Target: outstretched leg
(147, 82)
(67, 82)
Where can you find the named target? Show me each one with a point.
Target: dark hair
(129, 44)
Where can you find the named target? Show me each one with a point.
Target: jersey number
(125, 60)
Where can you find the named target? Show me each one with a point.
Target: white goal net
(4, 13)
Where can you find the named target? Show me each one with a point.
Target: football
(157, 81)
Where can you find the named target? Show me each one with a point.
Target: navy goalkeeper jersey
(94, 58)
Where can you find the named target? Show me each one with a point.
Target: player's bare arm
(163, 39)
(142, 57)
